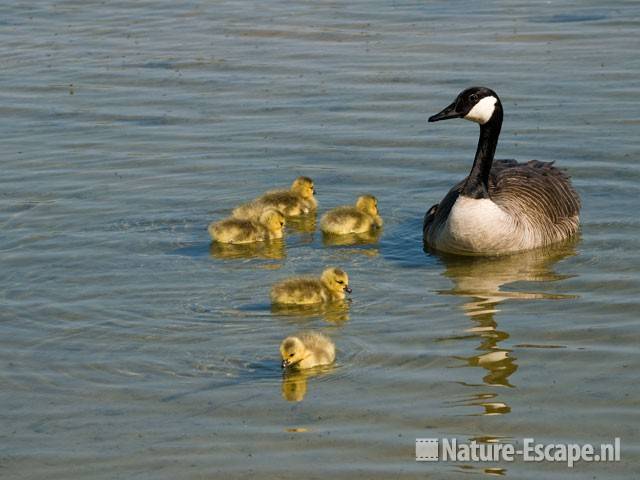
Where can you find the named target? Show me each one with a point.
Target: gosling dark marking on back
(502, 206)
(277, 197)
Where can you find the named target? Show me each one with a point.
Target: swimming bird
(270, 225)
(330, 287)
(306, 350)
(359, 218)
(502, 206)
(298, 200)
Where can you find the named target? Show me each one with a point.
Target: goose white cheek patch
(482, 111)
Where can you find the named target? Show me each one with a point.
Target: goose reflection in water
(294, 382)
(271, 250)
(482, 279)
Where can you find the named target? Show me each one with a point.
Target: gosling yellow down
(299, 200)
(359, 218)
(330, 287)
(270, 225)
(307, 350)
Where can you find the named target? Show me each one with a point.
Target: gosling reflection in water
(352, 239)
(334, 312)
(302, 224)
(481, 279)
(270, 250)
(294, 382)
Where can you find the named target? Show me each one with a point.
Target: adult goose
(502, 206)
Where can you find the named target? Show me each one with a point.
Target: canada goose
(299, 200)
(502, 206)
(330, 287)
(307, 350)
(359, 218)
(234, 230)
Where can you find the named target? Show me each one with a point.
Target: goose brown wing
(535, 189)
(438, 213)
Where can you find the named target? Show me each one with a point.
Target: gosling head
(304, 187)
(292, 351)
(273, 219)
(368, 204)
(336, 280)
(477, 104)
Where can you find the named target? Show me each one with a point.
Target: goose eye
(291, 354)
(340, 282)
(473, 98)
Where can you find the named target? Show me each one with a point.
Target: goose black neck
(477, 183)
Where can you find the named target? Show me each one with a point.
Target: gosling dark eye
(291, 354)
(473, 98)
(340, 282)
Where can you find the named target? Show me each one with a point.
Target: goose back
(541, 205)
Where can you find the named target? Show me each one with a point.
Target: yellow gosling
(347, 219)
(307, 350)
(299, 200)
(330, 287)
(233, 230)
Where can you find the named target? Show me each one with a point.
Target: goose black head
(477, 104)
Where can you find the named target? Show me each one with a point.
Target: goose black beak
(446, 114)
(285, 363)
(347, 289)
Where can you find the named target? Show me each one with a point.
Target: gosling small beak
(285, 363)
(446, 114)
(347, 289)
(314, 191)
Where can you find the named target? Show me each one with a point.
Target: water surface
(132, 348)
